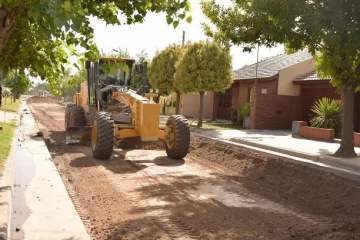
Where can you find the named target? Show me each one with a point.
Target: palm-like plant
(327, 114)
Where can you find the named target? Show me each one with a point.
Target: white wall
(289, 74)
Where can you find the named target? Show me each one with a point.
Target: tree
(204, 66)
(18, 84)
(41, 35)
(329, 30)
(162, 71)
(116, 53)
(137, 78)
(70, 83)
(6, 92)
(43, 86)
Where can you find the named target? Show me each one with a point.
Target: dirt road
(218, 192)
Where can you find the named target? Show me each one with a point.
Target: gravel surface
(219, 192)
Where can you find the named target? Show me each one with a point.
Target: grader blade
(78, 135)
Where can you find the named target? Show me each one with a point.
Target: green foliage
(10, 104)
(6, 92)
(5, 142)
(289, 50)
(69, 84)
(116, 53)
(43, 34)
(17, 83)
(203, 67)
(111, 67)
(137, 78)
(162, 68)
(245, 110)
(327, 114)
(44, 86)
(242, 111)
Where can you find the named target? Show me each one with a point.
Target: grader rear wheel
(67, 114)
(77, 117)
(177, 137)
(102, 136)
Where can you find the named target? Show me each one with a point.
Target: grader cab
(106, 109)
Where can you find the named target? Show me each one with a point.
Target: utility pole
(257, 64)
(256, 73)
(183, 38)
(180, 99)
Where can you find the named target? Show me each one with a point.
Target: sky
(155, 34)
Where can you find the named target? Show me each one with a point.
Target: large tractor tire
(77, 117)
(177, 137)
(67, 114)
(102, 136)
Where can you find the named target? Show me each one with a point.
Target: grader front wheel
(177, 137)
(102, 136)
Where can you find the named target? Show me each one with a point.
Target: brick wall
(272, 111)
(240, 93)
(275, 111)
(310, 93)
(317, 133)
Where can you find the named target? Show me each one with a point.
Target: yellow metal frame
(144, 120)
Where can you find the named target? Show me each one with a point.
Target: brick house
(285, 89)
(274, 97)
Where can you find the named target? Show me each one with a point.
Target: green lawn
(6, 136)
(9, 106)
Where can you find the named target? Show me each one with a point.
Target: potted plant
(327, 114)
(245, 114)
(234, 115)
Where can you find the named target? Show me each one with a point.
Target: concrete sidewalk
(42, 208)
(283, 142)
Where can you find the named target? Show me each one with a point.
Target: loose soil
(220, 191)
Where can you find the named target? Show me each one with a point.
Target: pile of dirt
(238, 160)
(309, 190)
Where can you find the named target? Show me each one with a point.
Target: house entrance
(224, 105)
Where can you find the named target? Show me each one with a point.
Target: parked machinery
(107, 109)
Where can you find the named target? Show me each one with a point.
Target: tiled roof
(310, 77)
(271, 66)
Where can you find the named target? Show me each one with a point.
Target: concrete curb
(280, 150)
(347, 164)
(6, 190)
(267, 147)
(333, 166)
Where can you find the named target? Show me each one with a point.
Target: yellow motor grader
(107, 109)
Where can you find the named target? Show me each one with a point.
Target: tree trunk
(7, 25)
(178, 103)
(200, 120)
(346, 149)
